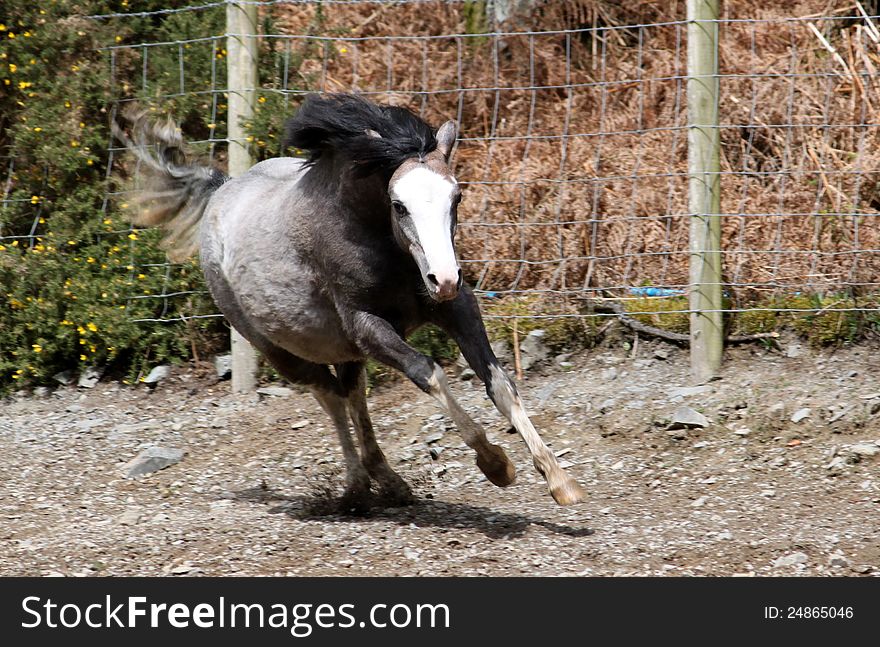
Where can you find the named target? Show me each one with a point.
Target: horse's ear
(446, 137)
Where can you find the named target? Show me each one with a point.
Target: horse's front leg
(461, 319)
(378, 339)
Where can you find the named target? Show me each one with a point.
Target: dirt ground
(754, 493)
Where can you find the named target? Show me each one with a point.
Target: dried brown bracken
(574, 144)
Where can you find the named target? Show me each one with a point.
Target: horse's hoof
(567, 492)
(396, 496)
(393, 490)
(354, 502)
(497, 467)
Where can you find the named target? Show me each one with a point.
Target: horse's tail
(174, 192)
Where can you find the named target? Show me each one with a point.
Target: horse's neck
(364, 198)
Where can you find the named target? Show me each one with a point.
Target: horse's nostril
(432, 279)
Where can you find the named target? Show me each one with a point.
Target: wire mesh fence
(573, 142)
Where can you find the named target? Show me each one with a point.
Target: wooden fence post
(242, 79)
(704, 183)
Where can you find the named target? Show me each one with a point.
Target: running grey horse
(331, 260)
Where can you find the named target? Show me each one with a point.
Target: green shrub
(832, 322)
(531, 312)
(72, 270)
(668, 313)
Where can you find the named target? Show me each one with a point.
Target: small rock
(875, 408)
(41, 392)
(501, 349)
(299, 424)
(277, 391)
(433, 438)
(724, 535)
(467, 374)
(158, 374)
(533, 349)
(183, 569)
(88, 424)
(129, 518)
(768, 493)
(223, 366)
(801, 414)
(837, 465)
(687, 391)
(837, 415)
(837, 559)
(64, 377)
(73, 408)
(661, 353)
(790, 560)
(699, 503)
(89, 378)
(794, 350)
(151, 460)
(685, 417)
(864, 450)
(409, 553)
(608, 374)
(217, 506)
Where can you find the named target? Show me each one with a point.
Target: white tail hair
(174, 192)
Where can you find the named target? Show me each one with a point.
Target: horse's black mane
(341, 123)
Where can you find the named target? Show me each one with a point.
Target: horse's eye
(399, 209)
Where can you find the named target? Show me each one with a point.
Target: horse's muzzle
(447, 287)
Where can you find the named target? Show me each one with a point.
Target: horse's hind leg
(327, 391)
(393, 488)
(323, 384)
(357, 480)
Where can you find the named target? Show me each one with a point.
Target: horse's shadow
(422, 513)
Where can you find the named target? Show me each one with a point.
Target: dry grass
(575, 171)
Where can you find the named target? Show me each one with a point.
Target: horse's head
(424, 203)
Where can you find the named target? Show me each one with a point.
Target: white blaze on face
(427, 197)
